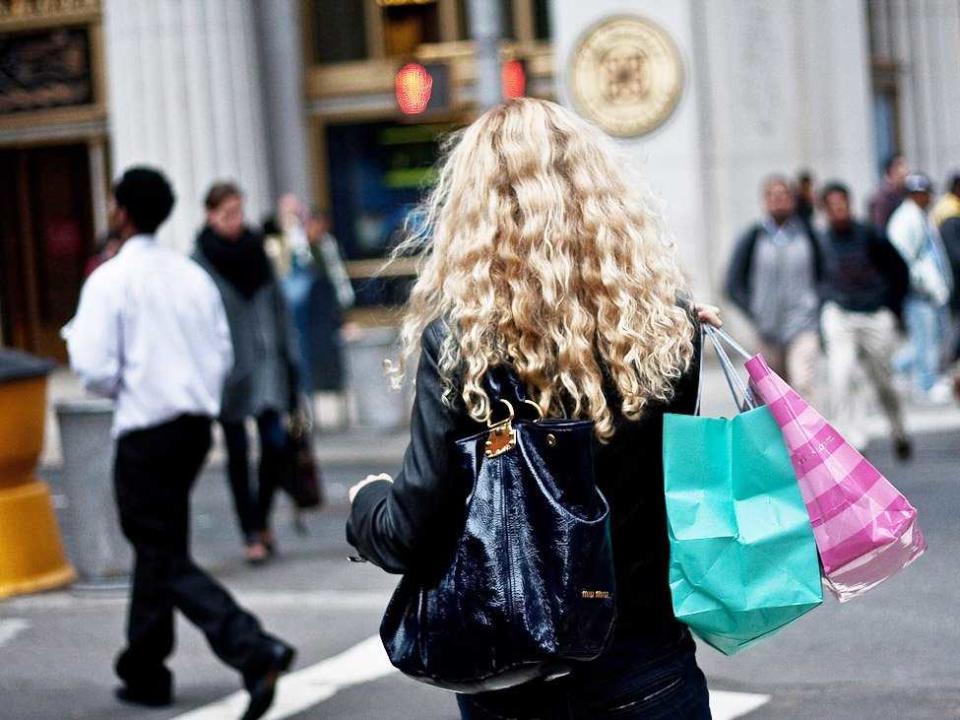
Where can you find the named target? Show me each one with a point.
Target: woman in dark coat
(262, 384)
(546, 261)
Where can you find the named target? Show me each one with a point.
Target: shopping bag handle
(723, 335)
(740, 390)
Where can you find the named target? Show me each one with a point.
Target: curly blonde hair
(539, 253)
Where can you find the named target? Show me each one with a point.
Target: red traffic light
(513, 77)
(413, 88)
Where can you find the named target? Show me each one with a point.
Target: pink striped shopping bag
(865, 529)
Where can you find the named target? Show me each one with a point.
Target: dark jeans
(253, 511)
(154, 473)
(632, 680)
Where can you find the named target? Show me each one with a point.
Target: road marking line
(725, 705)
(366, 662)
(10, 628)
(305, 688)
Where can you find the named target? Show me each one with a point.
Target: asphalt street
(894, 653)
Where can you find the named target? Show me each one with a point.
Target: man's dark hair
(834, 187)
(219, 193)
(953, 183)
(804, 176)
(146, 196)
(891, 161)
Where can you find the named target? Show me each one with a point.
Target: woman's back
(542, 258)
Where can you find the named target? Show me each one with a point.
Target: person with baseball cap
(931, 282)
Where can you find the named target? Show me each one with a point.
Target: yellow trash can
(31, 551)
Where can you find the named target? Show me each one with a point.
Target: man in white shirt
(931, 279)
(151, 333)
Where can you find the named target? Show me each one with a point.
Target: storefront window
(339, 31)
(541, 19)
(407, 26)
(378, 174)
(45, 69)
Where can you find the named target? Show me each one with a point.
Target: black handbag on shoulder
(530, 588)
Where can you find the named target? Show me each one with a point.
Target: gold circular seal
(626, 75)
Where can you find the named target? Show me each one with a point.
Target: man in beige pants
(865, 282)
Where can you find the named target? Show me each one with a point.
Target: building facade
(302, 96)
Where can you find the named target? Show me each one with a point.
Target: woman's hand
(352, 494)
(709, 314)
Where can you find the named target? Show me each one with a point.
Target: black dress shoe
(146, 698)
(262, 686)
(903, 449)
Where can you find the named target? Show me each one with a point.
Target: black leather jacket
(410, 526)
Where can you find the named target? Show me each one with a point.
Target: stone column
(770, 86)
(185, 95)
(281, 44)
(670, 157)
(926, 44)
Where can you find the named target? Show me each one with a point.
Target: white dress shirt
(151, 333)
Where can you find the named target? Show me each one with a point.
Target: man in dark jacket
(773, 278)
(864, 286)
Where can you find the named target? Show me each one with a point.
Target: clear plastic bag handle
(739, 389)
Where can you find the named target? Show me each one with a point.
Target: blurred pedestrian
(864, 286)
(773, 278)
(578, 300)
(264, 378)
(332, 294)
(806, 197)
(926, 307)
(107, 249)
(946, 217)
(890, 194)
(289, 250)
(152, 334)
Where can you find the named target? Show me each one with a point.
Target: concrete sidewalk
(366, 446)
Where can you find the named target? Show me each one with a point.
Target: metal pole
(485, 30)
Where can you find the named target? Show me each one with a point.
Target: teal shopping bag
(743, 560)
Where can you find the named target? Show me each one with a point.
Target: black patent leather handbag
(530, 588)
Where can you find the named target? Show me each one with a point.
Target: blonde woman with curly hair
(541, 256)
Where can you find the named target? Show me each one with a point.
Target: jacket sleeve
(950, 234)
(407, 526)
(737, 284)
(222, 339)
(894, 269)
(288, 341)
(904, 237)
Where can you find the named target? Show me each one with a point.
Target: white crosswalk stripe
(366, 662)
(10, 628)
(303, 689)
(725, 705)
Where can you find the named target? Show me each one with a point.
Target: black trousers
(154, 473)
(253, 509)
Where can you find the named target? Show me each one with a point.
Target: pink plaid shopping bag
(865, 529)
